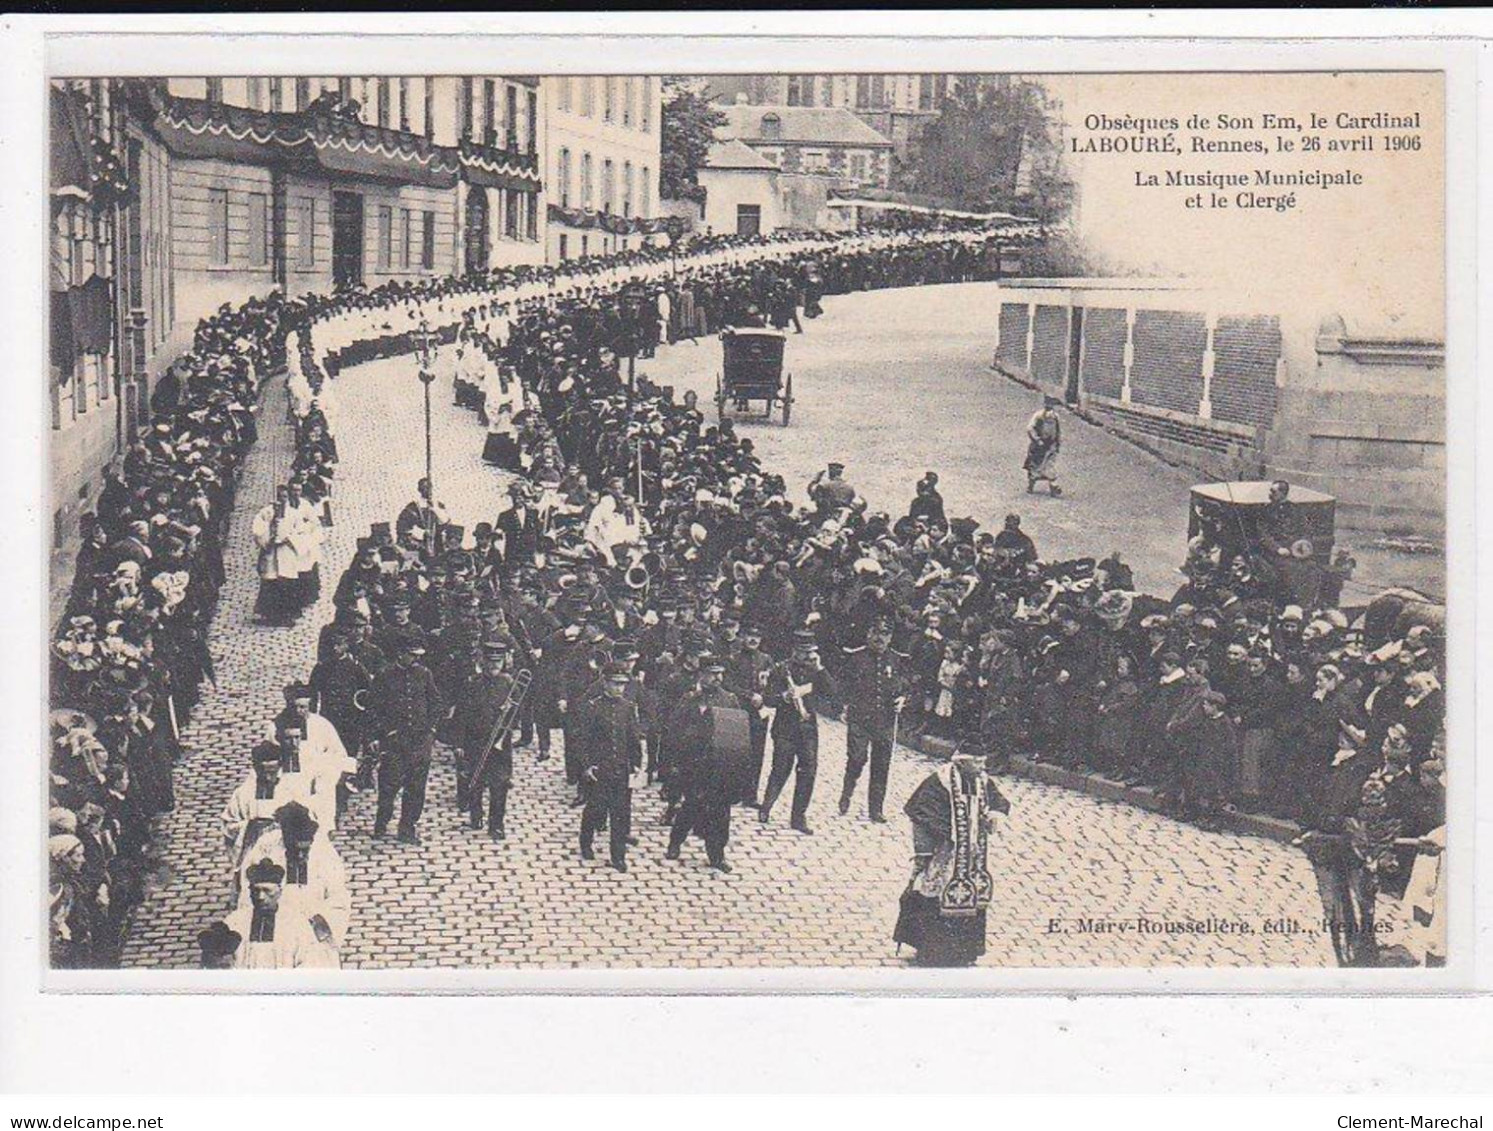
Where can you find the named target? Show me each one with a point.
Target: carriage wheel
(787, 400)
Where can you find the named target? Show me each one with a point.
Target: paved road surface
(827, 900)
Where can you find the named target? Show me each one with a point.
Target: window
(608, 184)
(925, 92)
(627, 97)
(587, 193)
(588, 95)
(305, 259)
(748, 219)
(645, 199)
(258, 230)
(427, 242)
(404, 105)
(510, 120)
(609, 104)
(627, 188)
(429, 107)
(645, 112)
(531, 215)
(585, 246)
(215, 90)
(862, 92)
(512, 215)
(382, 96)
(796, 91)
(564, 246)
(532, 123)
(772, 127)
(345, 90)
(302, 93)
(878, 91)
(858, 166)
(277, 95)
(406, 238)
(256, 94)
(562, 176)
(489, 112)
(565, 95)
(385, 236)
(217, 227)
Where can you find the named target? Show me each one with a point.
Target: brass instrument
(504, 723)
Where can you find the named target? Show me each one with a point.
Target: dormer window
(772, 127)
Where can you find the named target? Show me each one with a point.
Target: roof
(813, 125)
(734, 154)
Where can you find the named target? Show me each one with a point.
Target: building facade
(825, 142)
(602, 162)
(172, 197)
(899, 107)
(742, 194)
(312, 183)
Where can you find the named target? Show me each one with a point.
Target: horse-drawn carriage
(752, 370)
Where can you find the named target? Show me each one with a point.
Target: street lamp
(425, 350)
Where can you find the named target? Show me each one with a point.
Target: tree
(995, 146)
(687, 130)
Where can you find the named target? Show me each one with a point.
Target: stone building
(827, 142)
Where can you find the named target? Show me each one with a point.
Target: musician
(794, 690)
(339, 685)
(942, 914)
(479, 712)
(407, 707)
(875, 693)
(707, 778)
(583, 665)
(613, 751)
(747, 672)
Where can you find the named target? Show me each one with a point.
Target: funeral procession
(705, 522)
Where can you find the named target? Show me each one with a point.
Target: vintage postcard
(747, 522)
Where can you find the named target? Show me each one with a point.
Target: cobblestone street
(830, 899)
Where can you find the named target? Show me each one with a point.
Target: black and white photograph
(744, 552)
(740, 521)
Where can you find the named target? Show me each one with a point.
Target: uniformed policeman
(875, 692)
(407, 707)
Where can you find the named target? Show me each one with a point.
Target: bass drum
(730, 746)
